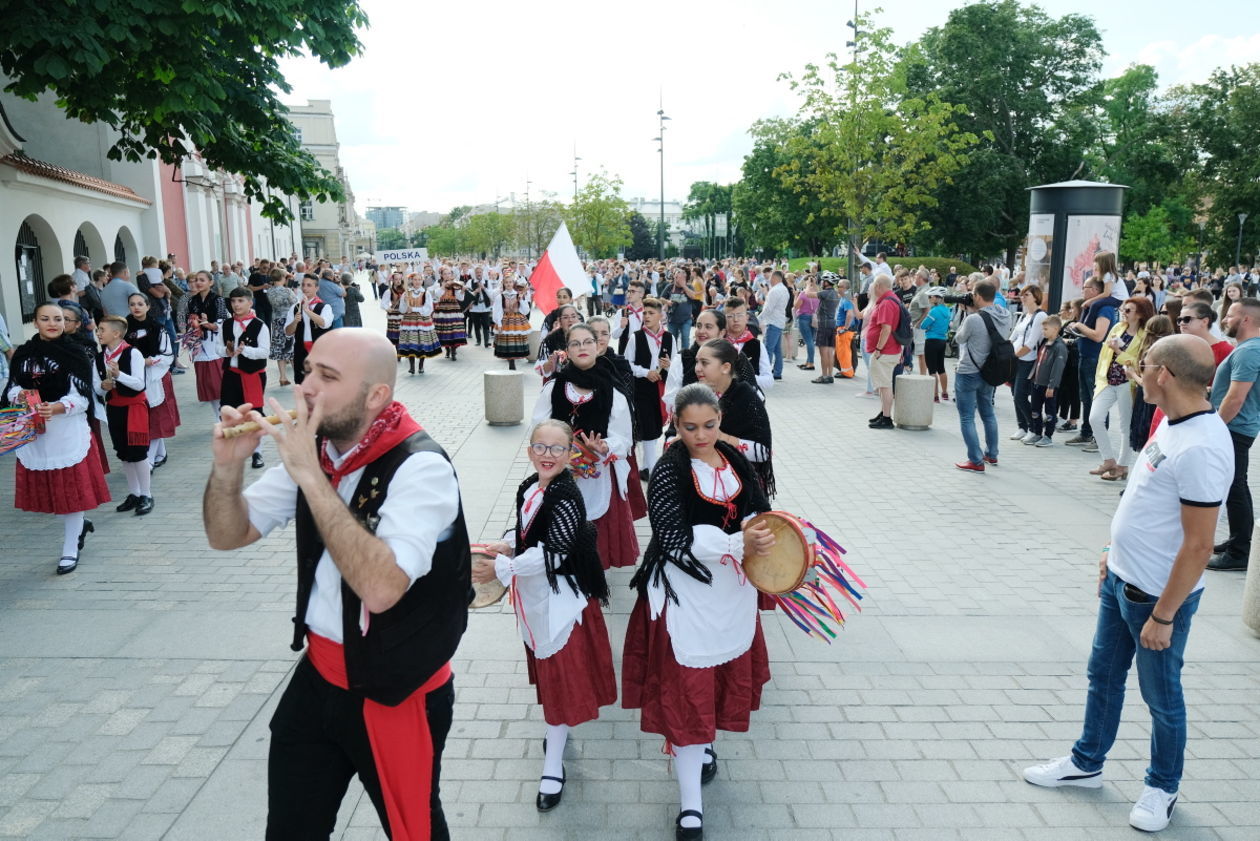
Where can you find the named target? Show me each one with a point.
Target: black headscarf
(745, 416)
(55, 367)
(602, 379)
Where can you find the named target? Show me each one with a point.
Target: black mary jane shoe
(547, 802)
(83, 533)
(144, 505)
(689, 833)
(127, 504)
(645, 474)
(256, 462)
(63, 567)
(709, 769)
(158, 463)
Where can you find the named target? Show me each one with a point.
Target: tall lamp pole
(574, 173)
(660, 138)
(1242, 218)
(854, 245)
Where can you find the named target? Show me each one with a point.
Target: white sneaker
(1153, 810)
(1031, 438)
(1018, 435)
(1062, 772)
(1045, 441)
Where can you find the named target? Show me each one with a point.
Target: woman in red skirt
(586, 394)
(60, 471)
(695, 658)
(147, 336)
(557, 586)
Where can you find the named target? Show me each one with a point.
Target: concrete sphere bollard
(912, 406)
(1251, 589)
(504, 397)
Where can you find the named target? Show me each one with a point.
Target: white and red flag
(558, 268)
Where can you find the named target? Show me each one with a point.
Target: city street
(135, 693)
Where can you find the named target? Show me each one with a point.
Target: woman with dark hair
(551, 563)
(1026, 336)
(602, 329)
(448, 314)
(586, 394)
(1069, 392)
(745, 422)
(710, 326)
(308, 319)
(148, 336)
(206, 311)
(551, 350)
(59, 472)
(282, 298)
(1111, 387)
(695, 658)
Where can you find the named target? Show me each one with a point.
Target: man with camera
(971, 392)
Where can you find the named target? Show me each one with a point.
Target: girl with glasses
(586, 393)
(1112, 388)
(551, 562)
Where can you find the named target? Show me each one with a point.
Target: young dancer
(630, 320)
(120, 379)
(417, 336)
(695, 659)
(448, 314)
(586, 394)
(308, 319)
(746, 342)
(154, 344)
(246, 346)
(551, 563)
(511, 322)
(60, 471)
(206, 311)
(745, 422)
(650, 353)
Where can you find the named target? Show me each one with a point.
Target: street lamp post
(1242, 218)
(854, 245)
(574, 173)
(660, 138)
(1198, 255)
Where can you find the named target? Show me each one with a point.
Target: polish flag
(559, 268)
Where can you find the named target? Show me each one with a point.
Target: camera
(968, 300)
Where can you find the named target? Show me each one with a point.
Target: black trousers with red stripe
(319, 742)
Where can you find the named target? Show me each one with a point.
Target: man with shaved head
(383, 574)
(1151, 578)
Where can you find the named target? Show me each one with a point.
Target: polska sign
(405, 255)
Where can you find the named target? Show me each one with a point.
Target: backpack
(903, 334)
(999, 366)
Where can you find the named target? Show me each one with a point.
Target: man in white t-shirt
(1151, 579)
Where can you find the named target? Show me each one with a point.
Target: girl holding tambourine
(695, 658)
(557, 585)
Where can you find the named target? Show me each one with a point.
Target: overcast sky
(464, 103)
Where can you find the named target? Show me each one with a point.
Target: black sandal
(689, 833)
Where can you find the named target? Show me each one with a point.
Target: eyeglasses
(553, 450)
(1146, 366)
(583, 343)
(1186, 319)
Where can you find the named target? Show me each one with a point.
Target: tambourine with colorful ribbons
(802, 571)
(20, 423)
(583, 463)
(491, 592)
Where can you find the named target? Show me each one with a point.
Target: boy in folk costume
(738, 334)
(630, 320)
(246, 346)
(120, 379)
(650, 355)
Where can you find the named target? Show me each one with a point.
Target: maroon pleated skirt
(95, 426)
(69, 490)
(688, 706)
(164, 418)
(577, 680)
(618, 545)
(634, 490)
(209, 379)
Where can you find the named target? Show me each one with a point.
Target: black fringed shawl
(743, 371)
(55, 367)
(594, 415)
(568, 537)
(672, 499)
(745, 416)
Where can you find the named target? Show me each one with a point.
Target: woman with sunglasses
(551, 563)
(1113, 389)
(586, 394)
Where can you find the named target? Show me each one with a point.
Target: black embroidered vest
(408, 643)
(250, 339)
(124, 365)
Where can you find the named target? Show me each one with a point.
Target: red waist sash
(137, 417)
(402, 745)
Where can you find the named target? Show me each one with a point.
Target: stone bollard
(912, 407)
(504, 397)
(1251, 589)
(535, 341)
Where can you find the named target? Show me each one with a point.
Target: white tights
(157, 450)
(688, 762)
(73, 525)
(649, 454)
(137, 473)
(553, 764)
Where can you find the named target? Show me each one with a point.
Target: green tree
(445, 240)
(599, 219)
(872, 149)
(389, 239)
(487, 233)
(536, 224)
(176, 77)
(1155, 236)
(768, 213)
(1028, 86)
(642, 238)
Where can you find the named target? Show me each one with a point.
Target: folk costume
(511, 322)
(127, 415)
(306, 332)
(154, 345)
(391, 300)
(622, 335)
(552, 342)
(754, 349)
(374, 694)
(417, 335)
(245, 375)
(647, 349)
(203, 349)
(448, 319)
(590, 401)
(60, 471)
(744, 417)
(625, 384)
(683, 373)
(557, 587)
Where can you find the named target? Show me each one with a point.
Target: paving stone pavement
(135, 693)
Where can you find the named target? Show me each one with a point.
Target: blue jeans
(1116, 641)
(681, 334)
(972, 393)
(807, 336)
(1085, 377)
(168, 324)
(338, 322)
(774, 347)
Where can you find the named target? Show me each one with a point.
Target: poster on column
(1085, 237)
(1038, 249)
